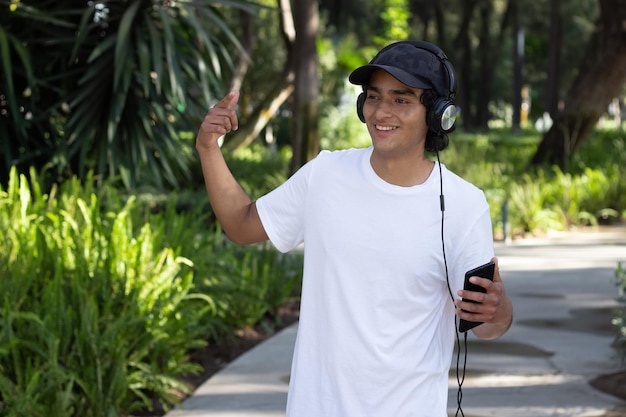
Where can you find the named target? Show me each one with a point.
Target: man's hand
(232, 206)
(220, 119)
(493, 307)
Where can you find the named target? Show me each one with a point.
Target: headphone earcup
(360, 102)
(442, 116)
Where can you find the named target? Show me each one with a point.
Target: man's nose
(383, 109)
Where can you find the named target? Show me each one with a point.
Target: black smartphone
(483, 271)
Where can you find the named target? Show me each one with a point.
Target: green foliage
(95, 317)
(338, 57)
(105, 86)
(258, 169)
(541, 200)
(582, 197)
(340, 129)
(248, 283)
(606, 150)
(395, 17)
(492, 159)
(101, 301)
(528, 209)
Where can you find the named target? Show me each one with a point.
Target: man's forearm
(233, 208)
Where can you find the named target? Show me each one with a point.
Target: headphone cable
(460, 377)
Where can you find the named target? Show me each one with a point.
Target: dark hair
(435, 141)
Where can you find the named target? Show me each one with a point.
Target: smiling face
(395, 118)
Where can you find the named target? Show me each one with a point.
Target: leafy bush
(95, 317)
(248, 283)
(340, 129)
(605, 147)
(529, 210)
(582, 197)
(490, 160)
(258, 169)
(538, 200)
(101, 301)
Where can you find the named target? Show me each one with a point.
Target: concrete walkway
(561, 338)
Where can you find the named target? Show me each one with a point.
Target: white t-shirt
(376, 329)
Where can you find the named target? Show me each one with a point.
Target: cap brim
(362, 75)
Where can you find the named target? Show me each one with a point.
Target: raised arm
(234, 209)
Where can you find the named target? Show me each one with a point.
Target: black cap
(410, 64)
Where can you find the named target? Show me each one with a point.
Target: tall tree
(553, 80)
(463, 59)
(274, 89)
(306, 105)
(486, 67)
(518, 62)
(601, 77)
(299, 25)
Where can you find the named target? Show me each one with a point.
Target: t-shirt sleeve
(282, 211)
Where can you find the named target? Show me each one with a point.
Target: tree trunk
(276, 95)
(463, 63)
(261, 115)
(305, 140)
(518, 61)
(553, 81)
(247, 40)
(477, 83)
(299, 29)
(600, 78)
(486, 66)
(439, 23)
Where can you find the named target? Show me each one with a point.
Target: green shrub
(258, 169)
(248, 283)
(605, 147)
(95, 318)
(593, 191)
(529, 211)
(100, 307)
(582, 197)
(340, 129)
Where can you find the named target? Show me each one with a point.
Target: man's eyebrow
(402, 92)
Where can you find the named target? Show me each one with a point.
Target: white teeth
(385, 127)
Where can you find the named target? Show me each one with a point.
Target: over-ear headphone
(360, 102)
(442, 115)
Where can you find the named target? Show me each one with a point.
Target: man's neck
(403, 173)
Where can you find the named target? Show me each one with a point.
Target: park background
(114, 273)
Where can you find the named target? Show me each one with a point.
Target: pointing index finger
(230, 101)
(226, 108)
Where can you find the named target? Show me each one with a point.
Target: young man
(385, 252)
